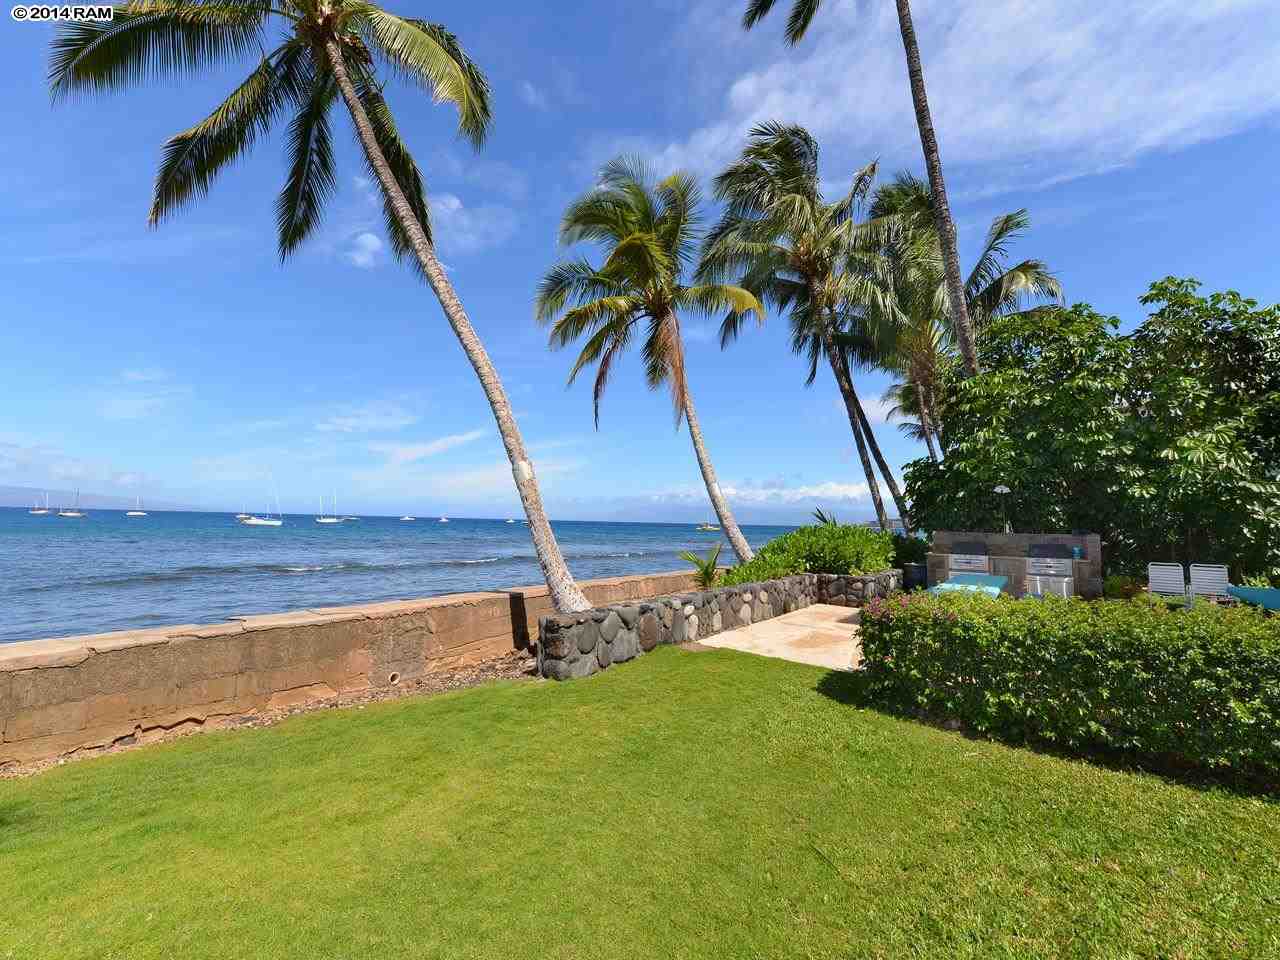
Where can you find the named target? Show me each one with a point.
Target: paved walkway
(822, 635)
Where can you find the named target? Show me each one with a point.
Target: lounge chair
(1210, 580)
(1167, 580)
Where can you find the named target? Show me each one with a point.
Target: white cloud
(772, 493)
(137, 394)
(1033, 91)
(369, 418)
(462, 229)
(533, 96)
(398, 454)
(363, 250)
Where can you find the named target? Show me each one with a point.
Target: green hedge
(821, 548)
(1199, 686)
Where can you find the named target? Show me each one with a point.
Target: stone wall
(577, 645)
(76, 693)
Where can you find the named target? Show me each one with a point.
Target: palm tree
(649, 233)
(802, 14)
(326, 49)
(805, 256)
(914, 338)
(906, 406)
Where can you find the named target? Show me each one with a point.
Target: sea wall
(580, 644)
(80, 693)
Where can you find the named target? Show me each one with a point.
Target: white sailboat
(408, 519)
(39, 511)
(444, 519)
(510, 521)
(75, 513)
(329, 518)
(137, 510)
(252, 520)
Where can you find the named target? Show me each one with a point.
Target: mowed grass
(685, 805)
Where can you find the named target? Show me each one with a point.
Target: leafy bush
(1198, 686)
(909, 550)
(1121, 586)
(824, 548)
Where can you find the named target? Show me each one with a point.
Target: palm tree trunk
(851, 405)
(941, 208)
(565, 593)
(926, 419)
(727, 523)
(890, 481)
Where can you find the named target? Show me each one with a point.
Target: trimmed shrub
(1198, 687)
(909, 550)
(822, 548)
(1121, 586)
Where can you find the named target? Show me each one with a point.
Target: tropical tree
(915, 338)
(325, 49)
(806, 257)
(649, 233)
(802, 14)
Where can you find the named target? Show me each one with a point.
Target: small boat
(75, 513)
(137, 510)
(408, 519)
(39, 511)
(708, 527)
(510, 521)
(350, 519)
(252, 521)
(329, 518)
(444, 519)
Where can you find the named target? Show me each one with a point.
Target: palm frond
(152, 39)
(311, 178)
(430, 55)
(192, 159)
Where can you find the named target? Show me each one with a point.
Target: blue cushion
(1268, 598)
(972, 583)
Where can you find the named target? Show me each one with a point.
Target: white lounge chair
(1167, 580)
(1210, 580)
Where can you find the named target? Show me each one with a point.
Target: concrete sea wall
(79, 693)
(580, 644)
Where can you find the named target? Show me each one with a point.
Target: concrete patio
(821, 635)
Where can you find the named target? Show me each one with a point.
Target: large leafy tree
(1159, 440)
(649, 235)
(323, 51)
(915, 338)
(803, 255)
(802, 14)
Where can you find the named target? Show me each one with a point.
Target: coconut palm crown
(323, 49)
(807, 257)
(293, 84)
(649, 233)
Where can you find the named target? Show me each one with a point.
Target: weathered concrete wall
(74, 693)
(580, 644)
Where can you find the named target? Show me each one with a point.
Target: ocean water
(110, 572)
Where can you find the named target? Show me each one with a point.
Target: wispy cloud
(462, 229)
(399, 454)
(1061, 89)
(137, 394)
(532, 96)
(369, 418)
(363, 250)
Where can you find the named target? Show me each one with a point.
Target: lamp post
(1003, 492)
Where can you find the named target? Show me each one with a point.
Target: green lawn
(686, 805)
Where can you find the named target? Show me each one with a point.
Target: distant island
(26, 496)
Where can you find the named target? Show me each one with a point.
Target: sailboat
(444, 519)
(137, 510)
(329, 518)
(39, 511)
(708, 527)
(510, 521)
(251, 520)
(75, 513)
(408, 519)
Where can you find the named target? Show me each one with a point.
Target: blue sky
(184, 363)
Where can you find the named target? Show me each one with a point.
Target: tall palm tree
(805, 256)
(649, 233)
(325, 49)
(914, 338)
(802, 14)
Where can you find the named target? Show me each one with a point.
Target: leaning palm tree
(649, 233)
(802, 14)
(805, 256)
(914, 338)
(326, 49)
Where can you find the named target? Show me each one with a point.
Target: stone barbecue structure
(1009, 553)
(580, 644)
